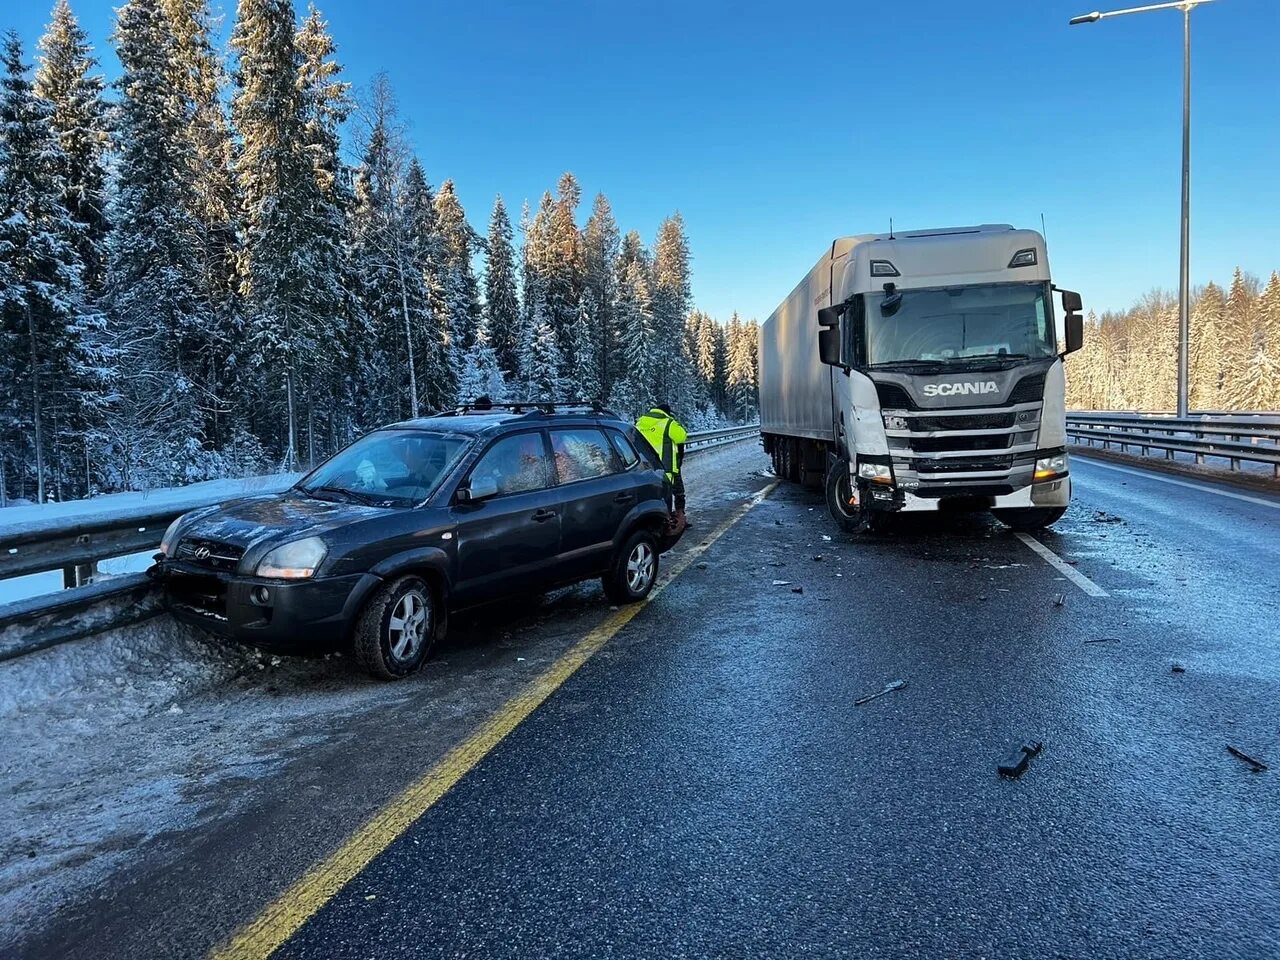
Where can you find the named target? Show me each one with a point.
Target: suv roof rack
(530, 408)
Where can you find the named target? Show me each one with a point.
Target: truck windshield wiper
(994, 356)
(918, 364)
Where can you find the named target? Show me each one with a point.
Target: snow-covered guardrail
(75, 537)
(1237, 438)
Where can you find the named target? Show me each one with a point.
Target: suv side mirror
(477, 489)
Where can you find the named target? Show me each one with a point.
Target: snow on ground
(115, 740)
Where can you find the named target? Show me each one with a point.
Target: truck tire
(634, 570)
(839, 491)
(396, 629)
(1029, 518)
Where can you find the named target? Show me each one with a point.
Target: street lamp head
(1086, 18)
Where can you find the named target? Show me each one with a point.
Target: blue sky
(775, 127)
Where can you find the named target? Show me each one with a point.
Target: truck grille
(997, 441)
(968, 421)
(224, 557)
(983, 465)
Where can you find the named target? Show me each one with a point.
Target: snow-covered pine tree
(600, 248)
(585, 381)
(535, 259)
(428, 255)
(541, 362)
(287, 278)
(462, 303)
(42, 312)
(65, 79)
(671, 300)
(742, 336)
(502, 309)
(159, 320)
(480, 375)
(1206, 362)
(563, 273)
(1267, 309)
(633, 391)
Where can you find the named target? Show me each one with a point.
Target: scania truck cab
(924, 371)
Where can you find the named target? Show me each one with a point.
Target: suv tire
(396, 628)
(634, 570)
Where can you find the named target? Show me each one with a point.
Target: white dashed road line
(1203, 488)
(1064, 568)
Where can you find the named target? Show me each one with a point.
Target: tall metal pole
(1184, 279)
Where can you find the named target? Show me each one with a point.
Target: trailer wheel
(1029, 518)
(841, 501)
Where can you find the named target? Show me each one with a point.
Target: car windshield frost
(389, 468)
(956, 325)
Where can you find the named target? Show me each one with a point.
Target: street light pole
(1184, 265)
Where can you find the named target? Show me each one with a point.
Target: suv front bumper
(283, 616)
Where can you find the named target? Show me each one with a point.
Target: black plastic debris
(1103, 640)
(1256, 765)
(1178, 668)
(1018, 761)
(889, 687)
(797, 589)
(1060, 600)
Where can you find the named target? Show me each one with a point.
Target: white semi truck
(923, 370)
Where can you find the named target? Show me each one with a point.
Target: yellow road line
(287, 913)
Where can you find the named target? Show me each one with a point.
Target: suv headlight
(169, 542)
(293, 561)
(875, 472)
(1049, 467)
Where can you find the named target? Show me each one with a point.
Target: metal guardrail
(77, 543)
(1235, 438)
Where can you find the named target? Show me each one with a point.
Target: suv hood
(274, 519)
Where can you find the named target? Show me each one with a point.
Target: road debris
(1103, 640)
(1178, 668)
(817, 557)
(1060, 600)
(797, 589)
(889, 687)
(782, 583)
(1018, 761)
(1256, 765)
(703, 565)
(1101, 516)
(825, 537)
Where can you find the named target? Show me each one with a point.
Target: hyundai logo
(202, 553)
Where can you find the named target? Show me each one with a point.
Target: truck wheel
(840, 498)
(396, 628)
(634, 570)
(1029, 518)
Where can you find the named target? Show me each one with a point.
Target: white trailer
(923, 370)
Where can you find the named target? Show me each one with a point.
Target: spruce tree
(1206, 360)
(563, 271)
(502, 309)
(42, 312)
(461, 293)
(632, 392)
(64, 78)
(542, 361)
(600, 248)
(671, 300)
(288, 282)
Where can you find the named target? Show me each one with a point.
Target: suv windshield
(954, 325)
(389, 468)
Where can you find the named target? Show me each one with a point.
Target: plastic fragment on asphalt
(797, 589)
(703, 565)
(1256, 765)
(889, 687)
(782, 583)
(1103, 640)
(1178, 668)
(1018, 761)
(1060, 600)
(825, 537)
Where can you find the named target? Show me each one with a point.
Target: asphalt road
(707, 785)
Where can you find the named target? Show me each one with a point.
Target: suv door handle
(543, 515)
(624, 498)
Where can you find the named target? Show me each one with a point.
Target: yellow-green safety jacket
(666, 435)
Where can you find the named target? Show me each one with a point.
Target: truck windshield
(388, 468)
(946, 326)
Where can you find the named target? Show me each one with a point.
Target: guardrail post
(79, 574)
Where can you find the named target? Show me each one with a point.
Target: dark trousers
(677, 490)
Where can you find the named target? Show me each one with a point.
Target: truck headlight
(293, 561)
(875, 472)
(169, 542)
(1049, 467)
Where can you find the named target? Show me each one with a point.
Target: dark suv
(372, 549)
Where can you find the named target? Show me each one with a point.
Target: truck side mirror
(1071, 302)
(830, 316)
(829, 346)
(1074, 329)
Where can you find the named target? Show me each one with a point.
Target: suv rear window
(625, 450)
(583, 453)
